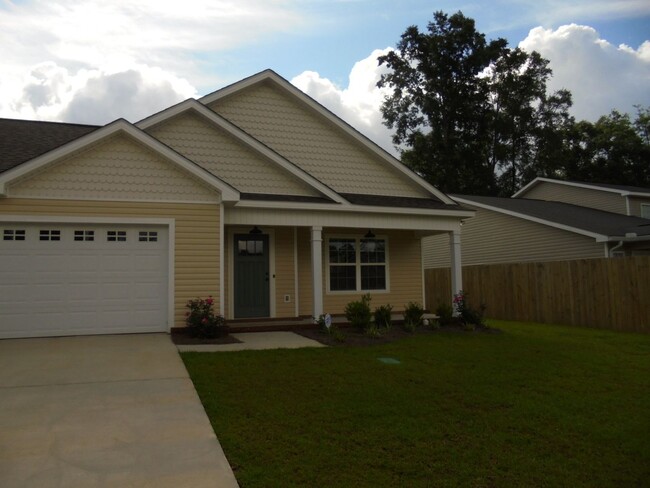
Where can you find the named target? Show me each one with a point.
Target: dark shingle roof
(22, 140)
(584, 218)
(390, 201)
(268, 197)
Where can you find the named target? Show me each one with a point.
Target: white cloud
(600, 76)
(358, 103)
(76, 58)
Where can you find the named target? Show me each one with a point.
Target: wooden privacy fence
(606, 293)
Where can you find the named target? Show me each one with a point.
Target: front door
(251, 275)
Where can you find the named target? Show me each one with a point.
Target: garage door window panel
(84, 235)
(116, 236)
(13, 235)
(49, 235)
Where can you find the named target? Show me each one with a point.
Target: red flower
(204, 321)
(209, 301)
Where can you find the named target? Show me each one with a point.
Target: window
(84, 235)
(645, 210)
(357, 264)
(147, 236)
(49, 235)
(250, 247)
(116, 235)
(13, 235)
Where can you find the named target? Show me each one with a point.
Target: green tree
(439, 107)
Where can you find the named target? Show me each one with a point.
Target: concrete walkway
(103, 411)
(257, 341)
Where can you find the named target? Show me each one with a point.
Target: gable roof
(623, 190)
(601, 225)
(242, 136)
(22, 140)
(272, 77)
(228, 193)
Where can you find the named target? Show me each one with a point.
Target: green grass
(536, 405)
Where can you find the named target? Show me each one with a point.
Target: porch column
(317, 270)
(456, 266)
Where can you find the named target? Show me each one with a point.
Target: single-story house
(513, 230)
(255, 194)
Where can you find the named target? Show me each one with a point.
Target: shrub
(333, 331)
(383, 316)
(445, 313)
(373, 331)
(201, 319)
(358, 312)
(470, 317)
(413, 316)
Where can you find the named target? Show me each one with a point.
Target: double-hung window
(357, 264)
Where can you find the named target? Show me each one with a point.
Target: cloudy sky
(91, 61)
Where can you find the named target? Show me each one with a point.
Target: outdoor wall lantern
(255, 231)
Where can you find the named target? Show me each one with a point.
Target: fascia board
(245, 138)
(594, 235)
(227, 192)
(539, 179)
(461, 214)
(347, 128)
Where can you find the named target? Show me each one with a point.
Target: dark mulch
(354, 337)
(183, 337)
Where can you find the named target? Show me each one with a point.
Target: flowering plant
(201, 318)
(468, 316)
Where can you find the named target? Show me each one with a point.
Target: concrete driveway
(103, 411)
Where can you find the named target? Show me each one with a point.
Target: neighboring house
(621, 199)
(255, 194)
(510, 230)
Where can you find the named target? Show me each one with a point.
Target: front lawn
(536, 405)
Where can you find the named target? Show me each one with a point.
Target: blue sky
(91, 61)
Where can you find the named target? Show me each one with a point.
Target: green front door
(251, 275)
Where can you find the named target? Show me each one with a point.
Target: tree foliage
(474, 116)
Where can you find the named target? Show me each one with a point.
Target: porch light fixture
(255, 231)
(369, 235)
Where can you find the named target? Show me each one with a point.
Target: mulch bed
(354, 337)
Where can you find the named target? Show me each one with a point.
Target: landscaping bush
(413, 316)
(445, 313)
(358, 312)
(201, 319)
(332, 330)
(470, 317)
(383, 316)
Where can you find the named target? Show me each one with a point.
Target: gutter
(616, 247)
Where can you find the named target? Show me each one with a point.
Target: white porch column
(456, 266)
(317, 269)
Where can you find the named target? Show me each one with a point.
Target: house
(544, 222)
(255, 194)
(621, 199)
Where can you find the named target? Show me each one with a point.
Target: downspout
(611, 251)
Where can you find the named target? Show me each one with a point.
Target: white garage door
(69, 279)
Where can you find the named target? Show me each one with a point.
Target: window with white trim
(13, 235)
(357, 264)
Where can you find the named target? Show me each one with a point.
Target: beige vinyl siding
(585, 197)
(284, 272)
(635, 206)
(312, 142)
(118, 168)
(196, 259)
(491, 237)
(222, 155)
(404, 273)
